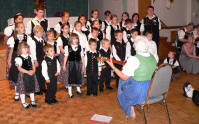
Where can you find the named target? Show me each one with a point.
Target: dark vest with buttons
(107, 54)
(151, 25)
(39, 49)
(113, 33)
(105, 26)
(128, 33)
(43, 23)
(100, 35)
(64, 40)
(120, 49)
(179, 44)
(74, 55)
(133, 52)
(26, 63)
(138, 27)
(92, 64)
(17, 42)
(51, 66)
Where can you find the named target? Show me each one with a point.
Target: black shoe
(101, 90)
(95, 94)
(54, 101)
(33, 104)
(88, 94)
(78, 93)
(48, 102)
(16, 98)
(44, 90)
(71, 96)
(109, 88)
(26, 105)
(38, 93)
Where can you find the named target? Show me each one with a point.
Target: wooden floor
(80, 109)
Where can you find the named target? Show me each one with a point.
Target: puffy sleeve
(131, 65)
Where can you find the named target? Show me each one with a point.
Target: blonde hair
(38, 28)
(47, 47)
(49, 32)
(21, 46)
(105, 41)
(77, 22)
(72, 37)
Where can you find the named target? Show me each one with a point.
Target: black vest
(133, 52)
(54, 46)
(152, 25)
(74, 55)
(17, 42)
(60, 23)
(120, 49)
(64, 40)
(100, 35)
(52, 66)
(39, 49)
(113, 33)
(174, 61)
(26, 63)
(92, 64)
(105, 26)
(44, 24)
(105, 54)
(138, 27)
(128, 33)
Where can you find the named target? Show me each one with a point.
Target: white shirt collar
(108, 22)
(38, 19)
(132, 40)
(105, 49)
(92, 19)
(152, 16)
(38, 39)
(92, 51)
(91, 36)
(74, 47)
(50, 42)
(50, 57)
(24, 55)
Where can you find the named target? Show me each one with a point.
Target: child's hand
(36, 64)
(83, 69)
(64, 68)
(56, 74)
(104, 66)
(99, 73)
(9, 64)
(47, 81)
(29, 73)
(32, 72)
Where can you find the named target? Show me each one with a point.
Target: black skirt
(13, 72)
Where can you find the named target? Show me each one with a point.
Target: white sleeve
(66, 51)
(82, 52)
(18, 61)
(57, 28)
(59, 42)
(103, 26)
(115, 53)
(125, 37)
(160, 26)
(58, 66)
(131, 65)
(8, 31)
(128, 50)
(32, 46)
(181, 34)
(85, 59)
(176, 63)
(165, 61)
(44, 70)
(108, 33)
(28, 28)
(48, 28)
(142, 26)
(11, 42)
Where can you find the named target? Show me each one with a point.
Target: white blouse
(153, 50)
(75, 48)
(19, 62)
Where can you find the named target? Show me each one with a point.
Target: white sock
(78, 89)
(70, 91)
(23, 100)
(16, 91)
(32, 97)
(66, 87)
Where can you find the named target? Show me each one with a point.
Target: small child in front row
(130, 50)
(27, 82)
(74, 64)
(92, 69)
(171, 60)
(106, 70)
(50, 71)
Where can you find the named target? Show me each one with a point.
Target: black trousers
(92, 83)
(105, 76)
(51, 89)
(40, 78)
(197, 51)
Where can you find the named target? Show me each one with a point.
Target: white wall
(195, 12)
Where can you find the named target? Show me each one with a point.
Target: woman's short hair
(141, 44)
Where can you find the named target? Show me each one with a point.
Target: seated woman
(135, 77)
(188, 59)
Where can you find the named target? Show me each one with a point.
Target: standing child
(96, 24)
(110, 31)
(136, 22)
(171, 60)
(94, 35)
(152, 45)
(92, 69)
(106, 70)
(82, 37)
(50, 71)
(64, 20)
(13, 42)
(85, 28)
(74, 64)
(130, 50)
(62, 41)
(125, 16)
(107, 21)
(127, 30)
(27, 81)
(37, 38)
(94, 16)
(119, 50)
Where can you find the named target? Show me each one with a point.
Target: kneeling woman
(135, 77)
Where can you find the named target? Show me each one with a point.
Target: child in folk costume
(27, 81)
(39, 41)
(110, 30)
(92, 69)
(13, 43)
(119, 50)
(106, 70)
(136, 22)
(94, 35)
(96, 24)
(94, 16)
(50, 71)
(64, 20)
(125, 16)
(171, 60)
(127, 30)
(152, 45)
(62, 41)
(85, 28)
(107, 21)
(83, 41)
(130, 50)
(74, 64)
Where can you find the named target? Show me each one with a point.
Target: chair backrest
(160, 81)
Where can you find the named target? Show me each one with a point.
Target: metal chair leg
(142, 108)
(166, 109)
(127, 118)
(148, 108)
